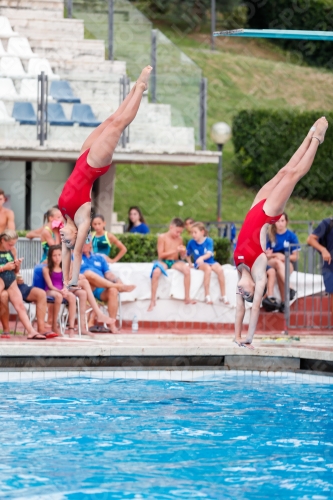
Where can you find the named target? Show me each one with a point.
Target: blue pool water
(136, 439)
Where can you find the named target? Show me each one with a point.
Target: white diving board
(291, 34)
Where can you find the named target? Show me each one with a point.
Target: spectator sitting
(322, 240)
(9, 267)
(37, 233)
(7, 219)
(52, 274)
(201, 249)
(136, 221)
(279, 239)
(102, 240)
(104, 283)
(188, 224)
(170, 249)
(50, 235)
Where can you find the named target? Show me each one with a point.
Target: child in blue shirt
(201, 249)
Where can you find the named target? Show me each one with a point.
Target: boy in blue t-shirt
(201, 249)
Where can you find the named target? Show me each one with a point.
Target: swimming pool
(140, 439)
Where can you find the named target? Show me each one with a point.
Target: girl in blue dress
(201, 249)
(136, 221)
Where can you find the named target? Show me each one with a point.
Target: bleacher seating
(79, 77)
(84, 116)
(4, 117)
(37, 65)
(20, 47)
(61, 91)
(5, 28)
(56, 115)
(8, 90)
(11, 66)
(24, 113)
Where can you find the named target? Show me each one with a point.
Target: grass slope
(242, 74)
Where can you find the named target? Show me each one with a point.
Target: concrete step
(82, 70)
(48, 28)
(28, 13)
(41, 5)
(170, 138)
(69, 49)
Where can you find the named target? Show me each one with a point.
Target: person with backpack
(322, 240)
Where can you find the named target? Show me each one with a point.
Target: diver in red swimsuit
(269, 204)
(94, 161)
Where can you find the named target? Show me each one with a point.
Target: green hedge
(144, 248)
(315, 15)
(265, 140)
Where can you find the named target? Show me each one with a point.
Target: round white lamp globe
(220, 133)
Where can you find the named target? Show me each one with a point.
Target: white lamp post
(220, 134)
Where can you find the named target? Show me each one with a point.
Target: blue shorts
(97, 293)
(25, 291)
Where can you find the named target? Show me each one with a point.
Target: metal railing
(311, 308)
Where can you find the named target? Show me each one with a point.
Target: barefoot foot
(127, 288)
(321, 127)
(144, 77)
(190, 301)
(152, 305)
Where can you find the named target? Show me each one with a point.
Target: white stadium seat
(20, 47)
(4, 117)
(5, 28)
(37, 65)
(29, 90)
(7, 90)
(2, 50)
(11, 67)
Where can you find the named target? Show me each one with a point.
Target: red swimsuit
(77, 189)
(248, 246)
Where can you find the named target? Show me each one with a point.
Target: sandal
(5, 335)
(50, 335)
(37, 336)
(247, 346)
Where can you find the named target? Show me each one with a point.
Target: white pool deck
(309, 346)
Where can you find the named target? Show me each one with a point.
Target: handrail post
(286, 290)
(153, 76)
(42, 95)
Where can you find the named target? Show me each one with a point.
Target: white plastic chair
(4, 117)
(5, 28)
(20, 47)
(37, 65)
(8, 90)
(11, 67)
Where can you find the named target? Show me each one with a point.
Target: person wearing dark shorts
(322, 240)
(29, 294)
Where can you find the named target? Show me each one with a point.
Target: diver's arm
(240, 313)
(82, 234)
(66, 263)
(260, 284)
